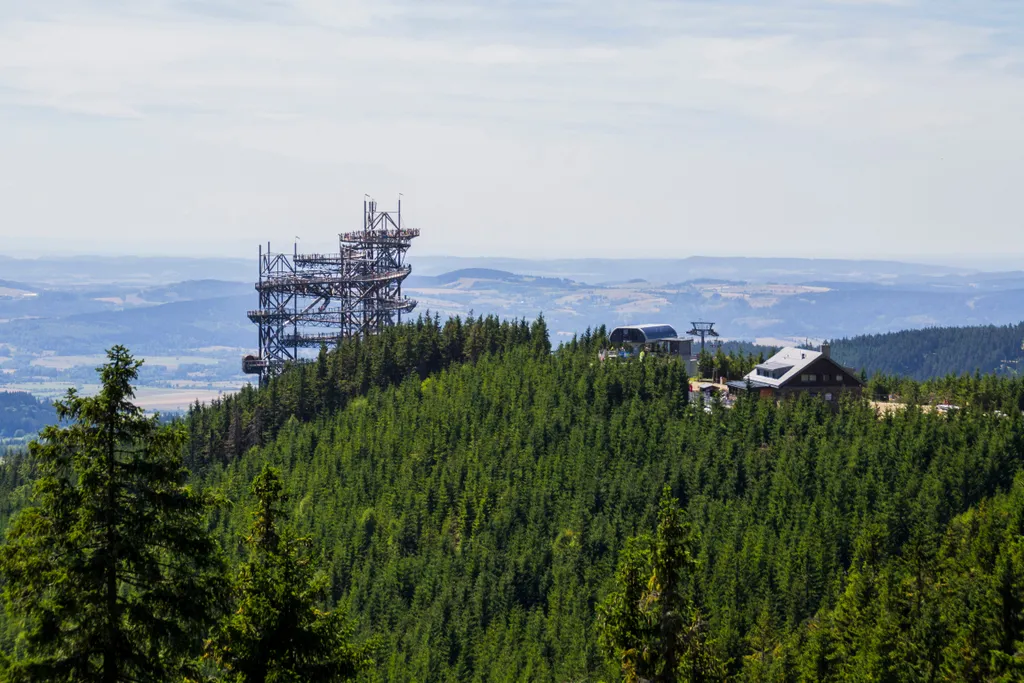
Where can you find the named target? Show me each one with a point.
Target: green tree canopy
(652, 623)
(277, 632)
(111, 573)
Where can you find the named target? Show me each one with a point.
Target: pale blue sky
(597, 128)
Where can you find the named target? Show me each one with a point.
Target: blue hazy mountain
(750, 269)
(169, 328)
(138, 270)
(155, 305)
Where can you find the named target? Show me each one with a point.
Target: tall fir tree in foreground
(277, 632)
(112, 573)
(651, 624)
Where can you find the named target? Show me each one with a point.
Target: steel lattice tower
(703, 329)
(309, 300)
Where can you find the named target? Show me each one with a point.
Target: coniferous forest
(459, 501)
(937, 351)
(21, 414)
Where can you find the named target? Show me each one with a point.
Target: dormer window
(773, 370)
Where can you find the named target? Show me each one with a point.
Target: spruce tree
(651, 624)
(277, 633)
(539, 336)
(112, 572)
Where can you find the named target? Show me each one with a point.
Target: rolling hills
(75, 308)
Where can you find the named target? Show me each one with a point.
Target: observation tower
(309, 300)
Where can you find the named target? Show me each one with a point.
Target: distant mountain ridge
(754, 269)
(162, 270)
(10, 284)
(484, 273)
(171, 327)
(163, 305)
(140, 270)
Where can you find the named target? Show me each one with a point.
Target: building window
(811, 378)
(839, 378)
(828, 397)
(824, 378)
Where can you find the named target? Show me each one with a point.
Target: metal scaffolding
(309, 300)
(703, 329)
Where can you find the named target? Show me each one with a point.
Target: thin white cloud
(742, 118)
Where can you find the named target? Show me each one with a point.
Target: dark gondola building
(658, 337)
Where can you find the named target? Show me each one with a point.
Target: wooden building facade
(800, 371)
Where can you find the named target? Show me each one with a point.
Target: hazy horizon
(999, 263)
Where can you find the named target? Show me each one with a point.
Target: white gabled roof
(796, 359)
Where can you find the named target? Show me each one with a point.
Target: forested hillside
(22, 413)
(474, 494)
(936, 351)
(473, 517)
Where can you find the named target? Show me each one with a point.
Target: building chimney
(826, 350)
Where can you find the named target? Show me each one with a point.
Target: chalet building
(793, 371)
